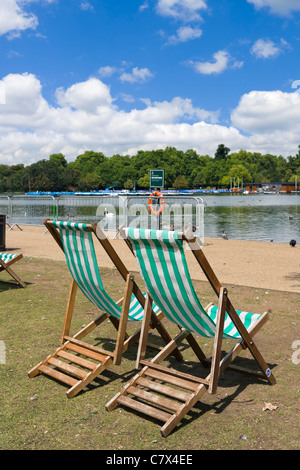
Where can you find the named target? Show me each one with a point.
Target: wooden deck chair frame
(6, 266)
(144, 385)
(72, 347)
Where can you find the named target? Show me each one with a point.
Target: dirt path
(246, 263)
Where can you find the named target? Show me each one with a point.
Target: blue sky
(118, 77)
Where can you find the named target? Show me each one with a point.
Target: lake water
(261, 217)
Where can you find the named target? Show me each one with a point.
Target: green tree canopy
(93, 170)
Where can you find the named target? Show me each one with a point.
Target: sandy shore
(247, 263)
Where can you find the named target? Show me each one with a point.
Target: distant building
(272, 187)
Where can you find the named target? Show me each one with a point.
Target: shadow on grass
(9, 285)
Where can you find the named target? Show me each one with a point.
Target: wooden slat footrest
(161, 393)
(73, 364)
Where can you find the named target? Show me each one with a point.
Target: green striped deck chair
(76, 241)
(6, 260)
(162, 262)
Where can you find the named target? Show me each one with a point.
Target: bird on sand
(224, 236)
(293, 242)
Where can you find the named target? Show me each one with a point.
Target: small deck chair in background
(163, 266)
(6, 260)
(76, 240)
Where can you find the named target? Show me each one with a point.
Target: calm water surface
(261, 217)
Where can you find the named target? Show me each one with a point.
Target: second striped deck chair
(6, 260)
(163, 265)
(75, 362)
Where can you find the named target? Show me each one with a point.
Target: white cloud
(222, 61)
(86, 6)
(184, 34)
(127, 98)
(136, 75)
(13, 17)
(261, 112)
(107, 71)
(144, 6)
(86, 117)
(31, 129)
(281, 7)
(88, 96)
(186, 10)
(265, 48)
(24, 105)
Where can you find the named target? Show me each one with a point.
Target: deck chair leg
(90, 327)
(69, 310)
(16, 278)
(216, 357)
(6, 267)
(123, 320)
(165, 336)
(144, 331)
(197, 350)
(248, 341)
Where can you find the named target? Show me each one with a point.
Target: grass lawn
(35, 414)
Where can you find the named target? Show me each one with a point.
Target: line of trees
(93, 170)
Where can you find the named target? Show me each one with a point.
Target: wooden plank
(177, 417)
(144, 330)
(216, 356)
(85, 352)
(173, 392)
(89, 377)
(197, 350)
(153, 398)
(146, 409)
(77, 359)
(244, 370)
(58, 375)
(166, 337)
(174, 372)
(69, 310)
(171, 379)
(113, 402)
(123, 320)
(67, 367)
(88, 347)
(91, 326)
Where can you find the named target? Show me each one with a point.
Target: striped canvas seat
(6, 257)
(82, 262)
(163, 265)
